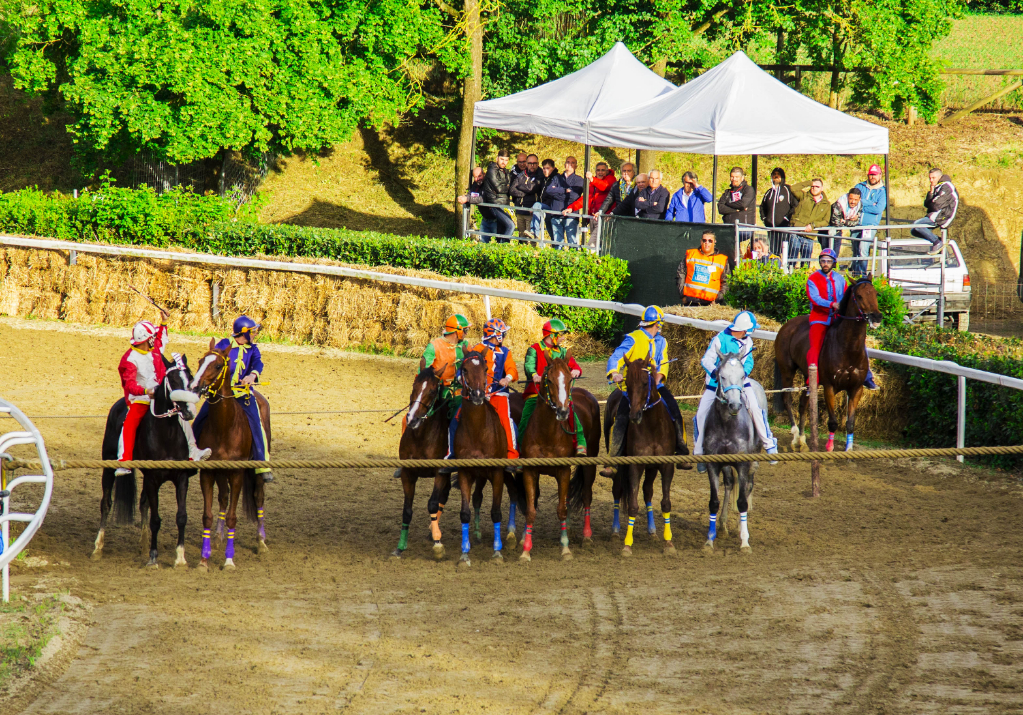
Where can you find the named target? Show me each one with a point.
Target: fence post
(961, 420)
(738, 256)
(815, 465)
(784, 256)
(486, 305)
(215, 301)
(941, 288)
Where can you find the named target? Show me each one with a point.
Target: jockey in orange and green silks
(444, 354)
(538, 357)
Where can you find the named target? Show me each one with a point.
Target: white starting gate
(28, 434)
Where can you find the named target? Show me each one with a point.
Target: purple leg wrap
(207, 548)
(229, 550)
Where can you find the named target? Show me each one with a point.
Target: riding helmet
(456, 323)
(653, 315)
(828, 253)
(245, 325)
(744, 322)
(554, 326)
(495, 329)
(143, 331)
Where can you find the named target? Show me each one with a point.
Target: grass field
(982, 42)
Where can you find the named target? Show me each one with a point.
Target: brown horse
(479, 436)
(515, 405)
(226, 431)
(551, 433)
(651, 432)
(843, 360)
(425, 437)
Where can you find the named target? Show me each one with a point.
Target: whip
(150, 300)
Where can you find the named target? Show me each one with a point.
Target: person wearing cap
(538, 357)
(736, 338)
(141, 371)
(825, 289)
(501, 372)
(644, 343)
(244, 366)
(874, 199)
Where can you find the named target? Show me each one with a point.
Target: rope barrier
(60, 464)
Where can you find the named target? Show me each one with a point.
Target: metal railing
(589, 226)
(27, 435)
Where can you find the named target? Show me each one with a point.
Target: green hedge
(994, 415)
(769, 291)
(209, 224)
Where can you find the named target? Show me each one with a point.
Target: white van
(920, 277)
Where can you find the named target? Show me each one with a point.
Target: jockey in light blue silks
(736, 338)
(244, 366)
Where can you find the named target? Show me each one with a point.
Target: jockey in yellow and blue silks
(646, 342)
(736, 338)
(244, 366)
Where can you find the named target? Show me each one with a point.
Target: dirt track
(898, 591)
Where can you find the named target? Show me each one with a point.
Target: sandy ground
(898, 591)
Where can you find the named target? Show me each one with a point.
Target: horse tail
(734, 494)
(576, 489)
(516, 490)
(249, 495)
(125, 492)
(779, 397)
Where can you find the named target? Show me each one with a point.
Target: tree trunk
(836, 67)
(646, 160)
(472, 92)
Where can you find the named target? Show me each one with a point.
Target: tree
(188, 79)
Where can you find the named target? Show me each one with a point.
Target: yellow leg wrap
(628, 533)
(667, 525)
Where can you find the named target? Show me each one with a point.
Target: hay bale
(293, 307)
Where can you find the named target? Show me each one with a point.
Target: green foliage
(994, 415)
(768, 291)
(187, 79)
(25, 629)
(208, 224)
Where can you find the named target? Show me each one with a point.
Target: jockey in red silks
(502, 371)
(142, 370)
(825, 288)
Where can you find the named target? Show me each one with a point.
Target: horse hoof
(498, 557)
(228, 565)
(616, 532)
(152, 565)
(587, 542)
(669, 550)
(626, 551)
(709, 546)
(525, 556)
(96, 555)
(652, 532)
(203, 566)
(745, 550)
(438, 551)
(566, 553)
(396, 554)
(262, 548)
(464, 562)
(510, 541)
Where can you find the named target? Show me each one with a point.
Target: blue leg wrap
(712, 530)
(465, 539)
(848, 442)
(511, 516)
(616, 524)
(649, 516)
(497, 537)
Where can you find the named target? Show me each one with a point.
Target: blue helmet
(244, 325)
(828, 253)
(652, 316)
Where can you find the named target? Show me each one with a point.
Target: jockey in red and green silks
(538, 356)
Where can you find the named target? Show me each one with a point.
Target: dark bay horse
(479, 435)
(551, 433)
(515, 405)
(729, 430)
(227, 433)
(425, 437)
(651, 432)
(842, 365)
(159, 436)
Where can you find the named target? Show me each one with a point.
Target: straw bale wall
(293, 307)
(879, 415)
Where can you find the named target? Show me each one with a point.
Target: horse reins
(163, 384)
(860, 314)
(549, 400)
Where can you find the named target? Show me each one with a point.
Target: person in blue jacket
(874, 199)
(244, 365)
(687, 203)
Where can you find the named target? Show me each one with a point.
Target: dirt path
(898, 591)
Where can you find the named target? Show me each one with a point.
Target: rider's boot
(869, 381)
(122, 472)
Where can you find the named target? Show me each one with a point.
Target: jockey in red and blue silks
(825, 288)
(502, 371)
(244, 366)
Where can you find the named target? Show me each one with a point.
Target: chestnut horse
(425, 437)
(227, 433)
(551, 433)
(479, 435)
(651, 432)
(842, 364)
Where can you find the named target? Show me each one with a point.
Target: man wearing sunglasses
(702, 277)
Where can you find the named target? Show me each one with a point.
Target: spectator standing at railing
(777, 206)
(496, 187)
(546, 203)
(941, 202)
(759, 251)
(621, 189)
(702, 278)
(475, 196)
(737, 202)
(812, 213)
(687, 203)
(652, 200)
(520, 166)
(525, 191)
(628, 205)
(563, 227)
(874, 198)
(601, 184)
(845, 212)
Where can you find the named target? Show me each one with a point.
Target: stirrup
(200, 455)
(122, 472)
(267, 477)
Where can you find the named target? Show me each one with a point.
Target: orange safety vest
(703, 274)
(446, 355)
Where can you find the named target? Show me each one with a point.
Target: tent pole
(586, 186)
(887, 197)
(714, 192)
(754, 171)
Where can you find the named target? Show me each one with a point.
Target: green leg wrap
(527, 411)
(403, 539)
(580, 435)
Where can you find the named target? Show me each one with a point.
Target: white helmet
(142, 332)
(744, 322)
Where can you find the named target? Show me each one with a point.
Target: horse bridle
(650, 390)
(163, 384)
(434, 403)
(860, 314)
(720, 394)
(209, 392)
(545, 385)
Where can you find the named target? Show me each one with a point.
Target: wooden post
(980, 103)
(910, 115)
(214, 301)
(815, 465)
(961, 420)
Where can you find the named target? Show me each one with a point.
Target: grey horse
(729, 430)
